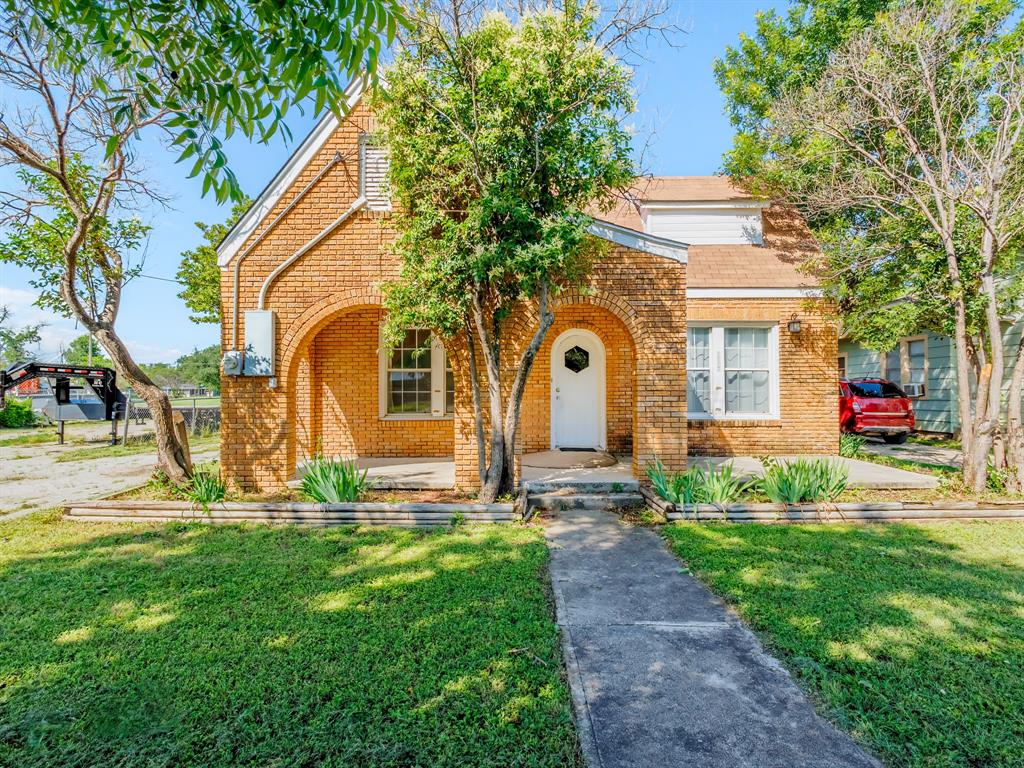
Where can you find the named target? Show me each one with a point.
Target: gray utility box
(259, 343)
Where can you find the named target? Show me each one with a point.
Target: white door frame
(563, 342)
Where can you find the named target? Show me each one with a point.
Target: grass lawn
(910, 636)
(145, 444)
(170, 644)
(200, 402)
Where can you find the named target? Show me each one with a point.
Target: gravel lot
(31, 478)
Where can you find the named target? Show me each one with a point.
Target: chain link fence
(199, 419)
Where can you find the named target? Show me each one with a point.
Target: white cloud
(152, 353)
(55, 332)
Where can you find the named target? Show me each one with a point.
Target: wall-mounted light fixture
(794, 324)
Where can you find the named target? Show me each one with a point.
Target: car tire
(897, 439)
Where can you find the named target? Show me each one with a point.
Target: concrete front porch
(438, 473)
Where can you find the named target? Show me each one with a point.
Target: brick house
(684, 340)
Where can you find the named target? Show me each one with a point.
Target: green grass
(145, 444)
(910, 636)
(201, 402)
(42, 435)
(160, 645)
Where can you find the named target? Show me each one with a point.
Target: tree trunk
(172, 456)
(1014, 438)
(499, 476)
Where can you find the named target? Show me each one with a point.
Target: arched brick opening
(333, 372)
(620, 378)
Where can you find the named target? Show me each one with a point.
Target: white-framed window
(416, 378)
(732, 371)
(907, 363)
(844, 364)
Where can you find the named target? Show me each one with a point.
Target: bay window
(732, 371)
(416, 379)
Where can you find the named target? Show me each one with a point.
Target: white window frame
(845, 357)
(717, 349)
(904, 347)
(438, 383)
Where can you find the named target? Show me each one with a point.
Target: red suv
(875, 406)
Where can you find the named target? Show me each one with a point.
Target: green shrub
(716, 485)
(205, 489)
(803, 480)
(17, 414)
(850, 445)
(333, 482)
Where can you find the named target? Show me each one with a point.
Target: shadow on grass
(195, 645)
(912, 636)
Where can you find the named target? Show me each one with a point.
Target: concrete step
(597, 501)
(582, 487)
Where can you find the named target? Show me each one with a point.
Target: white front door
(577, 391)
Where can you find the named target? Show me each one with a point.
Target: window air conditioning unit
(914, 390)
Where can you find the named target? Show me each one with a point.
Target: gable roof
(284, 178)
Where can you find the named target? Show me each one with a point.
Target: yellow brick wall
(808, 388)
(347, 399)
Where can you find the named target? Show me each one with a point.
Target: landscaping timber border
(357, 513)
(847, 512)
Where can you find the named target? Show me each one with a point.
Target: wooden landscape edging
(299, 513)
(845, 512)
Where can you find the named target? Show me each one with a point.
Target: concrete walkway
(662, 674)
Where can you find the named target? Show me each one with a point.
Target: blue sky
(680, 109)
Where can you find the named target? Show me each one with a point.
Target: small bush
(850, 445)
(17, 414)
(205, 489)
(803, 480)
(716, 485)
(333, 482)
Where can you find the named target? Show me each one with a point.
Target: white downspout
(241, 257)
(356, 205)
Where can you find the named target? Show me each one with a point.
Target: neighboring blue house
(929, 360)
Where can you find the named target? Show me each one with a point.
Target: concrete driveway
(926, 454)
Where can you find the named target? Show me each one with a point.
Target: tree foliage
(201, 367)
(198, 269)
(501, 133)
(16, 343)
(77, 352)
(37, 242)
(204, 70)
(906, 153)
(787, 52)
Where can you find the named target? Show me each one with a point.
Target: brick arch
(295, 343)
(616, 305)
(314, 318)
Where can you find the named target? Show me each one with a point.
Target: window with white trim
(907, 363)
(416, 379)
(732, 371)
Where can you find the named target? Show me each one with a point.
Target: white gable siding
(727, 225)
(374, 177)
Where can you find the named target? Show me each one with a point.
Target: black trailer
(102, 381)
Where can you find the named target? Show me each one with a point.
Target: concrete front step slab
(595, 501)
(534, 487)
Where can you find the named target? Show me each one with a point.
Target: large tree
(208, 69)
(907, 153)
(83, 81)
(502, 133)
